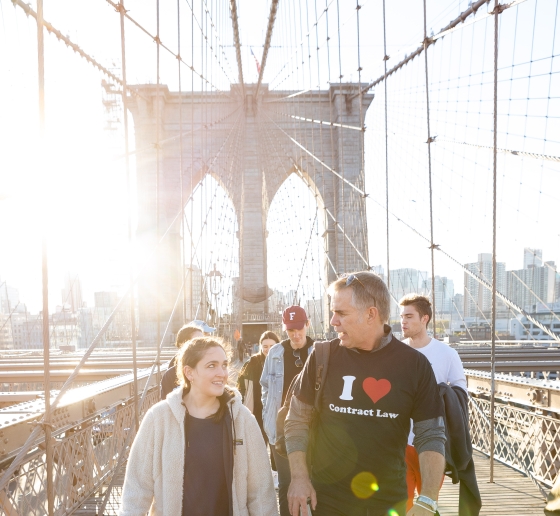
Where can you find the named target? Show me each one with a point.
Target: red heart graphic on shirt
(376, 389)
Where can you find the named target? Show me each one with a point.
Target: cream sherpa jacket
(155, 470)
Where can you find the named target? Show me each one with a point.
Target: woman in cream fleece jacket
(155, 475)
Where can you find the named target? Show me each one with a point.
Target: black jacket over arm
(458, 448)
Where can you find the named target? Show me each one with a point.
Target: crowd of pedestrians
(373, 423)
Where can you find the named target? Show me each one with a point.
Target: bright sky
(76, 192)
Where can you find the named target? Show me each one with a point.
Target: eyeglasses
(350, 279)
(353, 277)
(299, 362)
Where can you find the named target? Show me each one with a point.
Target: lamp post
(215, 285)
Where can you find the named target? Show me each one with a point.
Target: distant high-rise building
(9, 298)
(444, 293)
(6, 337)
(478, 298)
(72, 292)
(27, 331)
(528, 287)
(407, 281)
(458, 301)
(532, 258)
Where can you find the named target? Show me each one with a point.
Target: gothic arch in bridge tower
(249, 145)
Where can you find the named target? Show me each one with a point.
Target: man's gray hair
(368, 289)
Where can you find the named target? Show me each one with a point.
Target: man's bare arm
(296, 428)
(432, 468)
(301, 490)
(429, 441)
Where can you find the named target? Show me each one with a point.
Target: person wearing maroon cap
(283, 362)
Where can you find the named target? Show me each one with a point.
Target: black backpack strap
(322, 354)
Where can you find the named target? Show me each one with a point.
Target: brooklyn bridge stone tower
(261, 137)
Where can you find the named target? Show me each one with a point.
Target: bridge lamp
(215, 284)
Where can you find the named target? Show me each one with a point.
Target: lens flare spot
(392, 512)
(364, 485)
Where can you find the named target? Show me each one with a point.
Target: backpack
(322, 353)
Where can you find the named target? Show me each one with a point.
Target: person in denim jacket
(283, 362)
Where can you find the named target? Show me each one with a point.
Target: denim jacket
(272, 383)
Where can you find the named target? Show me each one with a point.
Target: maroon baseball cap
(294, 318)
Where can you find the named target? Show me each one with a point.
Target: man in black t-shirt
(374, 386)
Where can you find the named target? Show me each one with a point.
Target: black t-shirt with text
(367, 402)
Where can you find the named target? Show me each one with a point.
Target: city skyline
(403, 281)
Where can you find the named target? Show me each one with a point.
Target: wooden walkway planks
(511, 494)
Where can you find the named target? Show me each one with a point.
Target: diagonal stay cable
(322, 122)
(306, 253)
(195, 246)
(322, 163)
(473, 8)
(546, 157)
(69, 43)
(297, 168)
(347, 238)
(314, 189)
(535, 294)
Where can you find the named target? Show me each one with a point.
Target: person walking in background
(283, 362)
(248, 381)
(200, 451)
(241, 350)
(169, 379)
(416, 313)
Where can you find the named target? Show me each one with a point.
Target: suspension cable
(235, 22)
(385, 59)
(473, 8)
(269, 29)
(69, 43)
(158, 180)
(429, 142)
(158, 41)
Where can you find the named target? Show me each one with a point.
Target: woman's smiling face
(209, 377)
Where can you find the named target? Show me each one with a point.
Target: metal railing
(92, 423)
(90, 430)
(525, 440)
(527, 423)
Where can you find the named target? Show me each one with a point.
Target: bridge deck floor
(511, 494)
